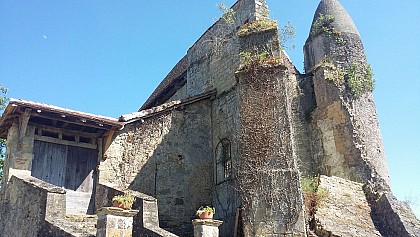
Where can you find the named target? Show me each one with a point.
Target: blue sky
(106, 57)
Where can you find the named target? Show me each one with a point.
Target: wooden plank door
(80, 170)
(49, 163)
(65, 166)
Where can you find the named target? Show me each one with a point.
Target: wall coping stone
(208, 222)
(40, 184)
(116, 211)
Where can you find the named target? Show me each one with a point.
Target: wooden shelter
(60, 146)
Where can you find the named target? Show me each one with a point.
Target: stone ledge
(117, 212)
(50, 188)
(208, 222)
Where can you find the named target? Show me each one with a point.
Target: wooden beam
(65, 131)
(64, 142)
(108, 141)
(23, 125)
(73, 120)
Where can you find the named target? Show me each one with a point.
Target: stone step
(78, 225)
(82, 218)
(86, 224)
(78, 202)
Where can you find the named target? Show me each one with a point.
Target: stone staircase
(76, 222)
(76, 225)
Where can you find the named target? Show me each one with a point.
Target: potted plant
(124, 201)
(205, 212)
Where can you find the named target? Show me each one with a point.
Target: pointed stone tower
(349, 143)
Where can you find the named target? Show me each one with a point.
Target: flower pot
(206, 215)
(119, 205)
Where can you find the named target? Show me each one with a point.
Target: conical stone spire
(356, 140)
(342, 20)
(334, 37)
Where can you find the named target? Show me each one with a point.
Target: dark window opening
(85, 140)
(50, 134)
(69, 138)
(223, 161)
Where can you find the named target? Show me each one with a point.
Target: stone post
(206, 227)
(113, 222)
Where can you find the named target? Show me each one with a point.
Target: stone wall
(268, 174)
(301, 94)
(19, 153)
(395, 218)
(343, 209)
(167, 156)
(27, 204)
(213, 61)
(225, 127)
(214, 58)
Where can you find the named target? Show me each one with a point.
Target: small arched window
(223, 161)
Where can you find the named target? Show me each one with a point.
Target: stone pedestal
(115, 222)
(206, 227)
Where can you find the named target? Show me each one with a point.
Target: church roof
(172, 82)
(342, 20)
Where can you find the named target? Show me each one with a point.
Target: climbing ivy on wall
(267, 176)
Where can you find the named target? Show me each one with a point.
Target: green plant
(126, 200)
(309, 184)
(333, 73)
(287, 34)
(250, 61)
(309, 112)
(222, 32)
(228, 14)
(257, 26)
(360, 80)
(313, 195)
(205, 209)
(323, 24)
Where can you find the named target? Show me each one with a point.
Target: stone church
(233, 125)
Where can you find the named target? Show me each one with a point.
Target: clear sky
(106, 57)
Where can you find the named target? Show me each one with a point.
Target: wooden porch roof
(49, 115)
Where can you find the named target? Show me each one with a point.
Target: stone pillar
(113, 222)
(267, 171)
(206, 227)
(19, 149)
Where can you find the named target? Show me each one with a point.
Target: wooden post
(23, 124)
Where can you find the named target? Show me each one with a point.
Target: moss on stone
(257, 26)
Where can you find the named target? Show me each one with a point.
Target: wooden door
(49, 163)
(80, 169)
(65, 166)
